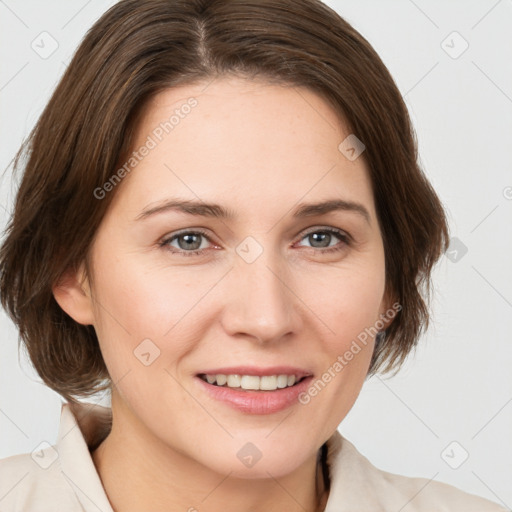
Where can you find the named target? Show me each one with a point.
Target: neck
(140, 472)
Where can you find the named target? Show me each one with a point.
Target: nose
(260, 301)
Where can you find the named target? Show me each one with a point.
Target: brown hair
(141, 47)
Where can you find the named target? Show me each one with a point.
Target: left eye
(189, 243)
(325, 236)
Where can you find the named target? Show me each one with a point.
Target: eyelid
(329, 229)
(166, 239)
(345, 238)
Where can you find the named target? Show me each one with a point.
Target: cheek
(136, 302)
(147, 301)
(350, 308)
(350, 302)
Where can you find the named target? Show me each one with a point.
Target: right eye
(189, 243)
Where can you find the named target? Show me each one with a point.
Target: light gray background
(458, 386)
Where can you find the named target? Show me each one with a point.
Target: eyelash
(344, 237)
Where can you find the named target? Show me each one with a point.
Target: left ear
(73, 294)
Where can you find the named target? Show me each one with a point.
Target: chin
(258, 459)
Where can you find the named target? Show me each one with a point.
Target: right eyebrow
(187, 206)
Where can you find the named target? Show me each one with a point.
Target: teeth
(234, 381)
(252, 382)
(282, 381)
(268, 382)
(248, 382)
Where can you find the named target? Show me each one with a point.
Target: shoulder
(33, 482)
(422, 495)
(356, 484)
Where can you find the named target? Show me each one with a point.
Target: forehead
(242, 142)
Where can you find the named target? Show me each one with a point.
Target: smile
(252, 382)
(255, 390)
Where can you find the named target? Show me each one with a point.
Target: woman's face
(250, 286)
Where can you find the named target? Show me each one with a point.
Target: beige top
(63, 477)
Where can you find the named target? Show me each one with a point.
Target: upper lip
(257, 371)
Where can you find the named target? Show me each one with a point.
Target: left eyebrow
(214, 210)
(311, 209)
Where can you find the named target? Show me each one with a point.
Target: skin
(259, 150)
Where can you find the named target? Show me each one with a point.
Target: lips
(254, 390)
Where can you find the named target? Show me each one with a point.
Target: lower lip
(257, 402)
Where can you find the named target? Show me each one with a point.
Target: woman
(164, 246)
